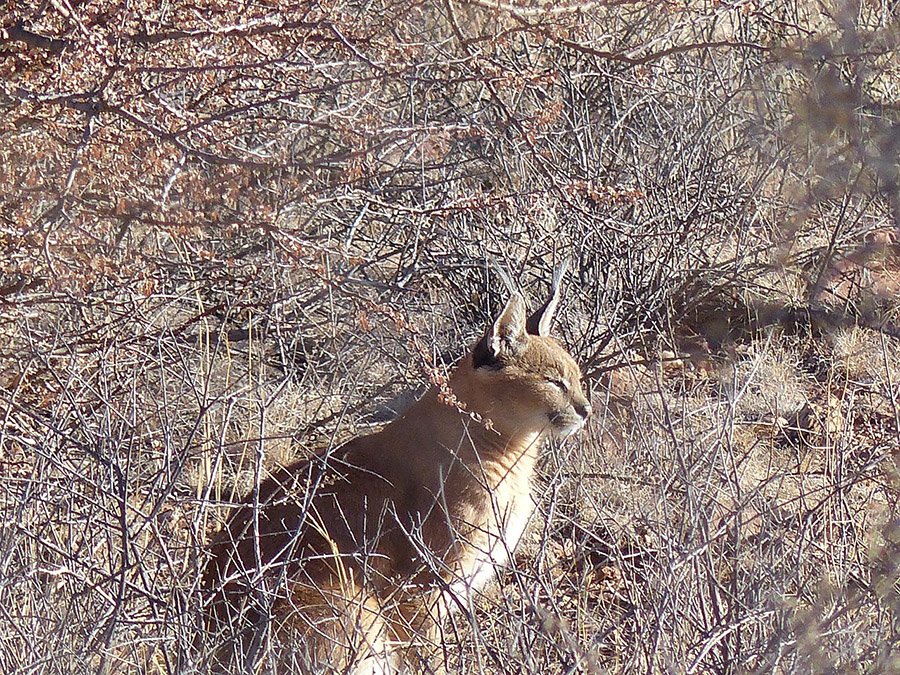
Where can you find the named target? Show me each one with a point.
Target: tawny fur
(351, 559)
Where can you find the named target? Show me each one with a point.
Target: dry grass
(233, 236)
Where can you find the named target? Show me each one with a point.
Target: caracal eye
(561, 384)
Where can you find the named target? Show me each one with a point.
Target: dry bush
(236, 233)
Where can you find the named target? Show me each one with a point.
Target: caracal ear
(505, 337)
(539, 322)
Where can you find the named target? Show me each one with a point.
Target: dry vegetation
(232, 233)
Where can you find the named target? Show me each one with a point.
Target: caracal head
(527, 383)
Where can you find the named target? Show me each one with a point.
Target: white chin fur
(566, 431)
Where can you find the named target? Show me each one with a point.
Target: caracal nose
(584, 410)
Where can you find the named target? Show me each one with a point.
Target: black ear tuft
(539, 322)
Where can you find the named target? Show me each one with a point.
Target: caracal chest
(500, 522)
